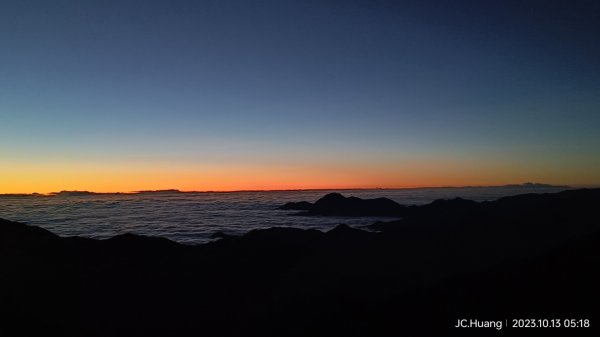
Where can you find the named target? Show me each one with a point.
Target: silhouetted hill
(73, 193)
(527, 256)
(337, 204)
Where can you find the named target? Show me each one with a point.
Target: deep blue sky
(470, 92)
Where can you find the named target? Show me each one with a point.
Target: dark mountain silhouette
(337, 204)
(527, 256)
(73, 193)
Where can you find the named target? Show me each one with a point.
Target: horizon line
(174, 190)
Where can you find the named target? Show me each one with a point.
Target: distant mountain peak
(72, 193)
(160, 191)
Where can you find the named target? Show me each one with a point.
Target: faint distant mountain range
(86, 193)
(529, 185)
(169, 191)
(83, 193)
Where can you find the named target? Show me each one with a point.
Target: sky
(232, 95)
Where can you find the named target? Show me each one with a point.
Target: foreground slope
(528, 256)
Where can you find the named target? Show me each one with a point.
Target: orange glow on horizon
(49, 178)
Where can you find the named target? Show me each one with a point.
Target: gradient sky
(227, 95)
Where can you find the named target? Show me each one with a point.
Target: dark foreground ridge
(527, 256)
